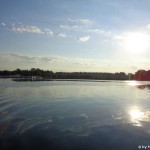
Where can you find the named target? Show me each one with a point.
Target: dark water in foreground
(73, 115)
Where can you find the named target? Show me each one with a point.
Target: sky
(75, 35)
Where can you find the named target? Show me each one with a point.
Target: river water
(74, 115)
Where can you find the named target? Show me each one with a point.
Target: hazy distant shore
(83, 80)
(38, 74)
(46, 79)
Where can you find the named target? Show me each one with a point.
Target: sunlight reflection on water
(137, 116)
(133, 83)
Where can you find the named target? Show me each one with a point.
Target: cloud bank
(30, 59)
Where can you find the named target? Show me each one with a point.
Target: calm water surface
(74, 115)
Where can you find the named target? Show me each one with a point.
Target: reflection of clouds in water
(137, 116)
(62, 91)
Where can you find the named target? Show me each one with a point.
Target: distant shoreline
(46, 79)
(38, 74)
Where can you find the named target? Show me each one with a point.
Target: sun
(136, 42)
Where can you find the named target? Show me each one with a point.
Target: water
(74, 115)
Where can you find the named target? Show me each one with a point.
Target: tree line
(142, 75)
(36, 72)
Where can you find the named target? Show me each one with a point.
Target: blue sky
(75, 35)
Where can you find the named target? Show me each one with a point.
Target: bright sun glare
(133, 83)
(136, 42)
(136, 115)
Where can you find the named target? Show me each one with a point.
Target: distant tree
(142, 75)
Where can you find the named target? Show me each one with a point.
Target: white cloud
(67, 27)
(3, 24)
(95, 30)
(83, 28)
(82, 21)
(30, 29)
(84, 25)
(99, 31)
(48, 32)
(62, 35)
(20, 28)
(84, 38)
